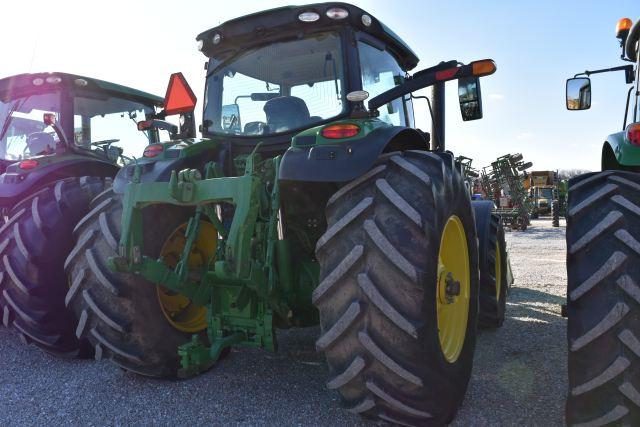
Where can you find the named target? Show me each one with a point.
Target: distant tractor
(503, 182)
(603, 261)
(547, 194)
(313, 199)
(63, 138)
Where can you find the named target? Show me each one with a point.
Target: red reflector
(153, 150)
(179, 98)
(446, 74)
(145, 124)
(28, 164)
(633, 133)
(340, 131)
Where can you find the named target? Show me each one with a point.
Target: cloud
(496, 96)
(525, 135)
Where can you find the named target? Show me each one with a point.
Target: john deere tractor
(603, 262)
(312, 199)
(63, 138)
(548, 193)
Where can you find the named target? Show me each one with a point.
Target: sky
(537, 45)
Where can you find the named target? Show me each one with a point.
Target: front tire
(603, 299)
(35, 242)
(393, 237)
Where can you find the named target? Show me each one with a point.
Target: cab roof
(29, 83)
(280, 23)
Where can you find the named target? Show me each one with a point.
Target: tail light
(446, 74)
(153, 150)
(340, 131)
(633, 133)
(28, 164)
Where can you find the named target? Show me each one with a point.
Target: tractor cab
(328, 78)
(57, 125)
(51, 113)
(276, 73)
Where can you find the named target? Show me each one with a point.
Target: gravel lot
(518, 378)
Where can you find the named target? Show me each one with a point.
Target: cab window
(110, 124)
(381, 72)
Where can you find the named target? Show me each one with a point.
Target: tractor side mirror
(470, 98)
(579, 93)
(231, 118)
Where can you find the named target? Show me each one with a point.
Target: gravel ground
(518, 378)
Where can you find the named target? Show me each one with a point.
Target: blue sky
(536, 45)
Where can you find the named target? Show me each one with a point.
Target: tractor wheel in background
(398, 295)
(520, 223)
(493, 269)
(134, 323)
(35, 242)
(555, 213)
(603, 299)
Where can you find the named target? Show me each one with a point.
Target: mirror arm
(626, 68)
(420, 80)
(61, 135)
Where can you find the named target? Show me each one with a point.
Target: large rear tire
(121, 314)
(35, 242)
(393, 236)
(603, 299)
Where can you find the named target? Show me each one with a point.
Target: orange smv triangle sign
(179, 98)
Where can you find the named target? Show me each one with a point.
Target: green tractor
(603, 262)
(62, 140)
(548, 193)
(302, 205)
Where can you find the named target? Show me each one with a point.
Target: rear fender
(626, 154)
(346, 161)
(16, 184)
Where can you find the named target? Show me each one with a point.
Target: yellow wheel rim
(454, 289)
(498, 270)
(178, 309)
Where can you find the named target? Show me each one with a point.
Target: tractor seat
(285, 113)
(40, 143)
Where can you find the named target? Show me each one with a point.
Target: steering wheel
(632, 45)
